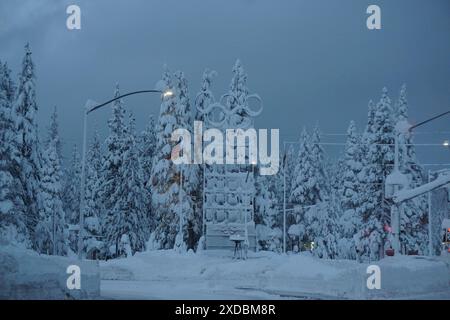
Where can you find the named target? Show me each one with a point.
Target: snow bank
(409, 275)
(24, 274)
(401, 277)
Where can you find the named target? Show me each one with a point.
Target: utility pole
(284, 199)
(54, 233)
(430, 234)
(180, 202)
(83, 178)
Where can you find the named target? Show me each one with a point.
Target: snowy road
(174, 290)
(191, 290)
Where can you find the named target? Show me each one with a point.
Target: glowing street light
(446, 143)
(168, 93)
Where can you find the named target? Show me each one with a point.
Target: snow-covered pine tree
(350, 193)
(321, 220)
(352, 168)
(301, 186)
(51, 234)
(147, 146)
(192, 178)
(378, 163)
(12, 210)
(335, 173)
(267, 218)
(318, 184)
(370, 129)
(71, 195)
(371, 192)
(413, 221)
(7, 84)
(238, 94)
(322, 228)
(93, 211)
(204, 97)
(27, 156)
(53, 133)
(110, 172)
(309, 183)
(289, 168)
(384, 122)
(165, 175)
(128, 219)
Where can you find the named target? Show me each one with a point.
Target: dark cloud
(311, 61)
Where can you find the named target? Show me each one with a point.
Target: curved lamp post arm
(126, 95)
(428, 120)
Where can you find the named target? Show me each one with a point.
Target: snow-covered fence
(25, 274)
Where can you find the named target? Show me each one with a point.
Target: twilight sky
(310, 61)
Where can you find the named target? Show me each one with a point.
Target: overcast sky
(311, 61)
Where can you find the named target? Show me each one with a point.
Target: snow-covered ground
(166, 274)
(266, 275)
(25, 274)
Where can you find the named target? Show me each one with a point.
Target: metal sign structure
(229, 190)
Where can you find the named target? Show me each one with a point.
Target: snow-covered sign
(394, 182)
(229, 191)
(403, 195)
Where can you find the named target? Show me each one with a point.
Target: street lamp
(89, 107)
(396, 180)
(167, 93)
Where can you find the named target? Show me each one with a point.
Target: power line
(371, 144)
(345, 134)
